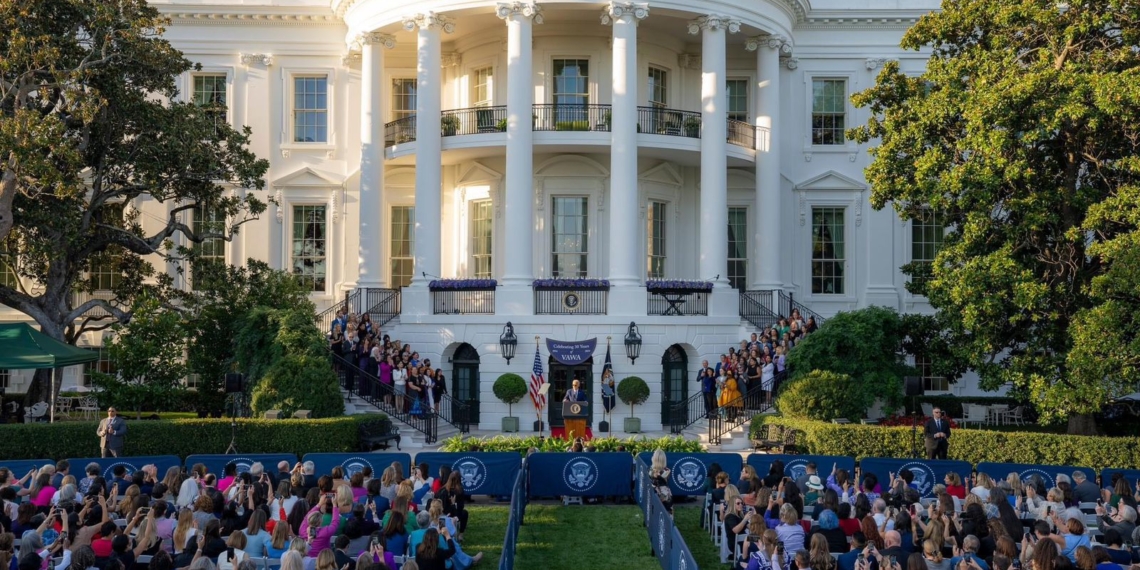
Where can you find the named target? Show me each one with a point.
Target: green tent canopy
(23, 347)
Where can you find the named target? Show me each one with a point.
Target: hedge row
(971, 445)
(185, 437)
(520, 444)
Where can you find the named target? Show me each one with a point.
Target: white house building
(520, 140)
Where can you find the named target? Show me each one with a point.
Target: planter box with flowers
(463, 296)
(677, 297)
(570, 296)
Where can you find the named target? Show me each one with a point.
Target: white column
(767, 209)
(518, 255)
(714, 132)
(625, 268)
(429, 143)
(371, 211)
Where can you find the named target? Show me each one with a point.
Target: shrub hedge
(972, 445)
(185, 437)
(521, 444)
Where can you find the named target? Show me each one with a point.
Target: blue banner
(927, 473)
(483, 473)
(353, 462)
(107, 465)
(1048, 473)
(571, 353)
(796, 465)
(660, 531)
(687, 471)
(216, 463)
(1133, 475)
(20, 467)
(580, 474)
(682, 557)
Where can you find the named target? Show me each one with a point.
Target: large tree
(91, 127)
(1021, 137)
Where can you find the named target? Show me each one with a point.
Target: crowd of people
(293, 519)
(857, 521)
(406, 381)
(759, 361)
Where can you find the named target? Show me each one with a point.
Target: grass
(688, 520)
(486, 528)
(584, 537)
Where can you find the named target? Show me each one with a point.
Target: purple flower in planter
(461, 284)
(571, 283)
(669, 285)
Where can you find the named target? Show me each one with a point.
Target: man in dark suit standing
(937, 434)
(575, 394)
(112, 433)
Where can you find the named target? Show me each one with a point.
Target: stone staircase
(410, 439)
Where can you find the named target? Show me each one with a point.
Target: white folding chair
(268, 563)
(143, 559)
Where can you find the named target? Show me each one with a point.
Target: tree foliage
(632, 391)
(821, 395)
(299, 382)
(1023, 136)
(509, 389)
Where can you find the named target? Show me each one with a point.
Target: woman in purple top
(386, 378)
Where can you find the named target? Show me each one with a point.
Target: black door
(465, 380)
(561, 378)
(674, 381)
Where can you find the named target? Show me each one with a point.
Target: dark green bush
(509, 389)
(632, 391)
(299, 382)
(820, 395)
(184, 437)
(520, 444)
(572, 126)
(972, 445)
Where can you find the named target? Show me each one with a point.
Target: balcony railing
(570, 301)
(400, 131)
(465, 302)
(474, 121)
(741, 133)
(80, 297)
(572, 118)
(669, 122)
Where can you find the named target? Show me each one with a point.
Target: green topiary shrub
(299, 382)
(633, 391)
(820, 395)
(572, 126)
(509, 388)
(520, 445)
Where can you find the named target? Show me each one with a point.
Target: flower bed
(462, 284)
(677, 286)
(581, 284)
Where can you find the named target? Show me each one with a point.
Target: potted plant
(693, 127)
(510, 388)
(633, 391)
(450, 124)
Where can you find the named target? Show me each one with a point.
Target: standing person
(438, 388)
(608, 391)
(937, 435)
(112, 434)
(708, 390)
(575, 394)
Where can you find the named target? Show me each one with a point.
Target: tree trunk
(8, 191)
(1083, 424)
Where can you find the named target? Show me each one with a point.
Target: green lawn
(584, 537)
(486, 528)
(687, 517)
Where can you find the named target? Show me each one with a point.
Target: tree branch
(116, 313)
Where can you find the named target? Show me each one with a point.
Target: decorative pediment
(476, 172)
(309, 177)
(572, 166)
(664, 173)
(831, 180)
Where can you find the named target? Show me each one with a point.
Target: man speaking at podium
(575, 394)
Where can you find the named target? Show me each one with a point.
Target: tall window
(310, 246)
(827, 251)
(570, 247)
(658, 88)
(571, 89)
(403, 245)
(737, 91)
(481, 239)
(828, 111)
(8, 260)
(926, 233)
(103, 270)
(481, 87)
(103, 364)
(403, 98)
(209, 220)
(930, 382)
(655, 240)
(738, 247)
(5, 379)
(210, 94)
(310, 108)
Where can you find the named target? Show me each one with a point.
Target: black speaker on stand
(913, 387)
(235, 384)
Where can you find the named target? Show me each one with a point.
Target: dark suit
(1086, 492)
(112, 433)
(575, 396)
(936, 447)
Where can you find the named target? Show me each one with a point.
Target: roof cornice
(250, 15)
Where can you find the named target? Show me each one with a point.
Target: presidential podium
(574, 416)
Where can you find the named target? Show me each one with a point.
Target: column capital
(375, 38)
(771, 41)
(429, 20)
(714, 22)
(618, 10)
(531, 10)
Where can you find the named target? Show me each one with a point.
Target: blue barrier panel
(107, 465)
(682, 557)
(20, 467)
(689, 470)
(1133, 475)
(641, 485)
(353, 462)
(1049, 473)
(796, 465)
(580, 474)
(216, 463)
(927, 473)
(482, 473)
(660, 531)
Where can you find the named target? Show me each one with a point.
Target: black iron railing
(382, 305)
(351, 302)
(691, 411)
(400, 131)
(400, 407)
(786, 303)
(474, 121)
(568, 301)
(671, 122)
(755, 308)
(552, 117)
(466, 302)
(677, 303)
(741, 133)
(739, 411)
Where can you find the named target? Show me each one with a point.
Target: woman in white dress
(767, 376)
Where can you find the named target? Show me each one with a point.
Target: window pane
(829, 111)
(570, 247)
(738, 247)
(737, 90)
(926, 235)
(210, 220)
(210, 94)
(658, 88)
(481, 244)
(655, 240)
(571, 84)
(309, 259)
(310, 109)
(402, 244)
(828, 251)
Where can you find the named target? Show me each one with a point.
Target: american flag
(536, 381)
